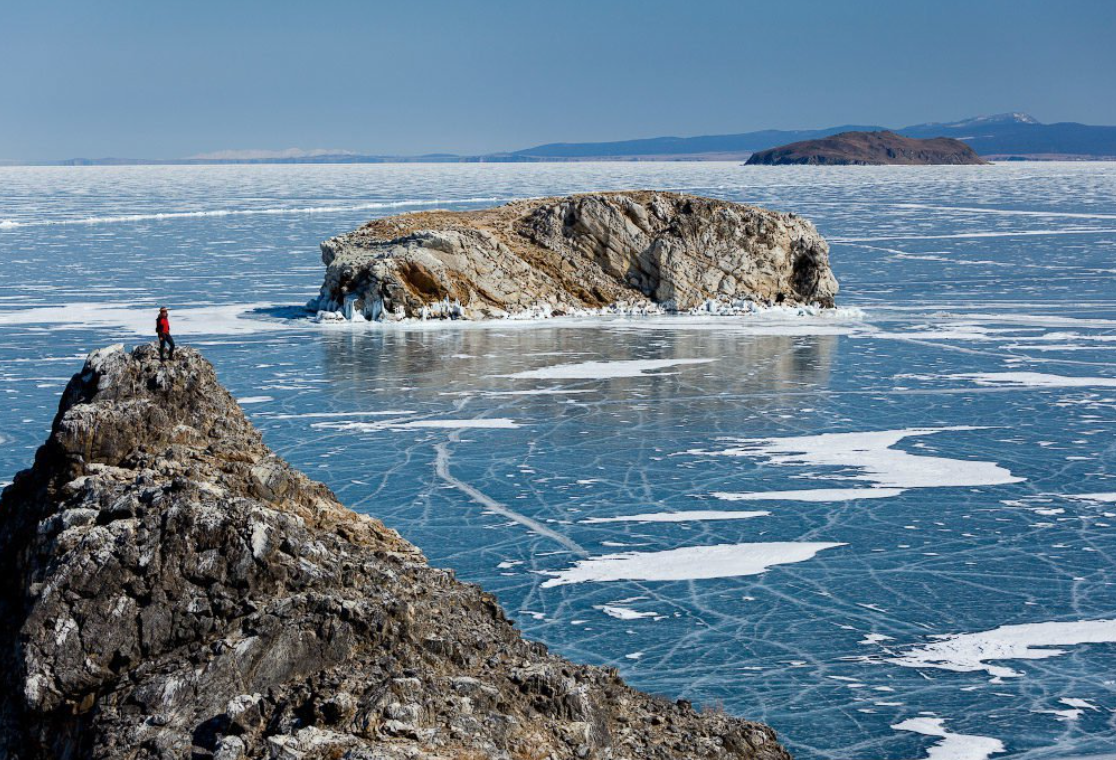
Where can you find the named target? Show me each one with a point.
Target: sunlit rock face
(628, 252)
(172, 588)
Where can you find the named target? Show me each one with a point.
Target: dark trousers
(165, 339)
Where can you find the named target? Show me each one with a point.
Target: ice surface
(970, 291)
(690, 563)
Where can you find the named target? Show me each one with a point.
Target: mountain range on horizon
(1003, 136)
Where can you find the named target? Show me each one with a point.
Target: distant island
(1003, 136)
(869, 149)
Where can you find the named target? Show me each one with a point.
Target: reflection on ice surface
(951, 426)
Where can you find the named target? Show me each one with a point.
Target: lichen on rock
(626, 252)
(173, 589)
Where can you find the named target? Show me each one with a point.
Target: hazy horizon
(132, 80)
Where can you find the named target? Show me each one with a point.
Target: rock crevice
(628, 252)
(173, 589)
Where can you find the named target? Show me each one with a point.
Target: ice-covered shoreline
(711, 312)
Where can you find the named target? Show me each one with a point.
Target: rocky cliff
(869, 149)
(626, 252)
(170, 588)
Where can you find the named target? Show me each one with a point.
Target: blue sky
(170, 78)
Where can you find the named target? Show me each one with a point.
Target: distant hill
(1017, 134)
(869, 149)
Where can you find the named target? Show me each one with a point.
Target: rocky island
(622, 252)
(869, 149)
(173, 589)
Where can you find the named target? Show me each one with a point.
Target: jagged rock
(627, 252)
(172, 589)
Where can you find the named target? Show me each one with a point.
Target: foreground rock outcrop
(599, 252)
(869, 149)
(170, 588)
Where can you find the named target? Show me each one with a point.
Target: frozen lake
(885, 532)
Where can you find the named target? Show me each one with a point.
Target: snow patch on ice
(687, 516)
(971, 652)
(316, 415)
(488, 423)
(202, 320)
(812, 494)
(952, 746)
(623, 613)
(1036, 380)
(873, 455)
(689, 563)
(1104, 497)
(874, 638)
(601, 370)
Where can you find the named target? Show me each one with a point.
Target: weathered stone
(630, 252)
(172, 589)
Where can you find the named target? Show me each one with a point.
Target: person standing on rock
(162, 329)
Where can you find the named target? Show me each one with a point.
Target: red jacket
(162, 326)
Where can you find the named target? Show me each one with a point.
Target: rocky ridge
(173, 589)
(622, 252)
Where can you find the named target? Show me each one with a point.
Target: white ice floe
(493, 423)
(812, 494)
(1104, 497)
(687, 516)
(316, 415)
(201, 320)
(873, 455)
(971, 652)
(601, 370)
(488, 423)
(623, 613)
(1075, 708)
(254, 400)
(1036, 380)
(539, 392)
(874, 638)
(689, 563)
(952, 746)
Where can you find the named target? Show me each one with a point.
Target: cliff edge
(623, 252)
(171, 588)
